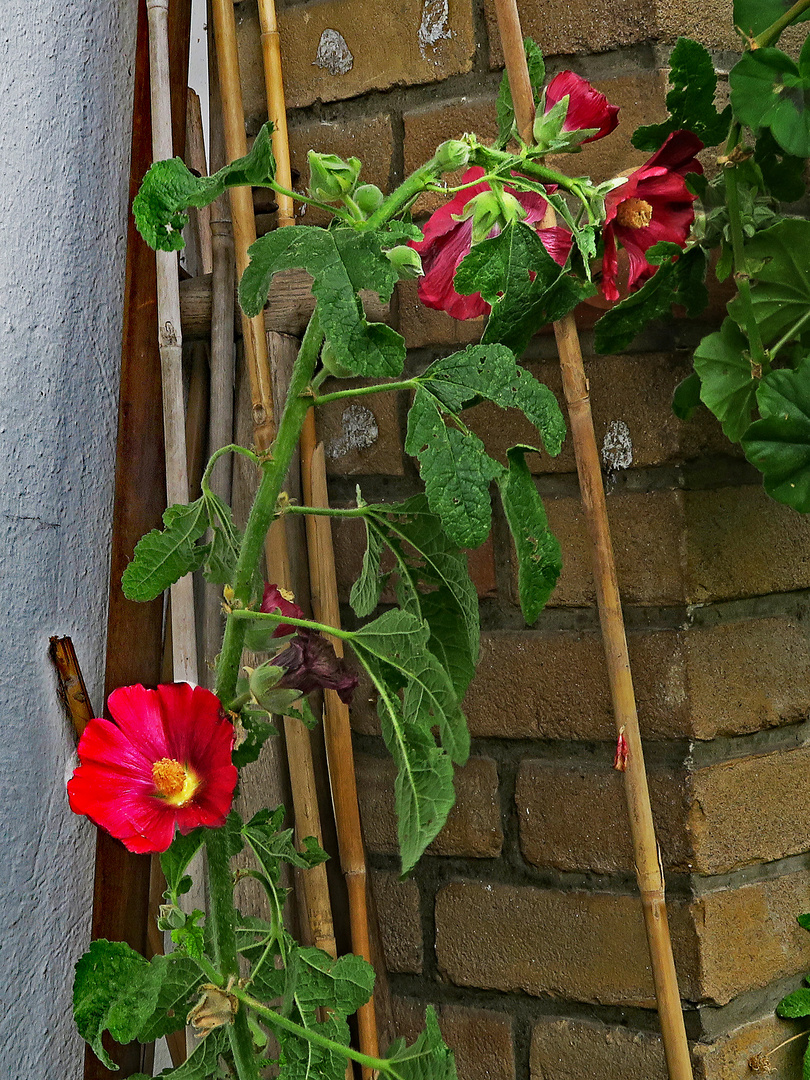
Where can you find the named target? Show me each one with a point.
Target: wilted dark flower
(310, 662)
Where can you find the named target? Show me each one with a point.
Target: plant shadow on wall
(161, 774)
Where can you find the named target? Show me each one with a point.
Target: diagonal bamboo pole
(323, 581)
(299, 750)
(184, 646)
(649, 872)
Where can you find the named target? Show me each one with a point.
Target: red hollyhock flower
(311, 662)
(587, 107)
(163, 761)
(448, 240)
(274, 600)
(652, 204)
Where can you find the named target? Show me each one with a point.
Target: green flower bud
(330, 177)
(406, 262)
(263, 682)
(452, 155)
(489, 209)
(332, 364)
(368, 198)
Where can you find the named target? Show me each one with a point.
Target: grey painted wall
(65, 103)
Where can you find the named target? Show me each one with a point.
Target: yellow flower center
(174, 782)
(634, 214)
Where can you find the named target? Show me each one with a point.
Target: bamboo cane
(184, 647)
(299, 750)
(645, 848)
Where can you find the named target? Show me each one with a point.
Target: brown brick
(585, 946)
(726, 680)
(400, 924)
(473, 827)
(710, 22)
(632, 393)
(749, 810)
(599, 839)
(422, 326)
(748, 937)
(383, 40)
(578, 26)
(362, 435)
(576, 1050)
(727, 1057)
(369, 139)
(480, 1038)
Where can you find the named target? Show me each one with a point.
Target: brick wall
(522, 923)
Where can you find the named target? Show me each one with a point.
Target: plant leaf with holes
(169, 188)
(164, 556)
(779, 443)
(690, 101)
(342, 261)
(727, 386)
(779, 259)
(180, 985)
(538, 550)
(769, 91)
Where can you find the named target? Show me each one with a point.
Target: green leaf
(754, 16)
(161, 558)
(795, 1004)
(779, 443)
(686, 397)
(456, 471)
(680, 282)
(203, 1064)
(177, 994)
(174, 861)
(320, 981)
(303, 1060)
(448, 639)
(365, 594)
(804, 922)
(525, 287)
(114, 990)
(169, 188)
(779, 263)
(491, 372)
(428, 1059)
(690, 101)
(341, 261)
(273, 845)
(727, 386)
(505, 107)
(220, 566)
(782, 174)
(538, 550)
(257, 728)
(769, 91)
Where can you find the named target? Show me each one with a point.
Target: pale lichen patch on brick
(333, 53)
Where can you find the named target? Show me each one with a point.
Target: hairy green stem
(484, 156)
(791, 333)
(232, 448)
(741, 278)
(361, 391)
(771, 34)
(325, 511)
(243, 615)
(275, 1019)
(414, 185)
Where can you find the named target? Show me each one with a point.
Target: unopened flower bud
(332, 364)
(263, 682)
(330, 177)
(368, 198)
(406, 262)
(452, 155)
(492, 209)
(170, 917)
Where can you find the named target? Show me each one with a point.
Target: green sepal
(769, 91)
(538, 550)
(162, 557)
(690, 100)
(342, 261)
(505, 108)
(727, 385)
(169, 188)
(779, 443)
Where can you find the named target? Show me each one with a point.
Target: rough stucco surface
(65, 88)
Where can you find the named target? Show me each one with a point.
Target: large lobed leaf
(727, 384)
(169, 188)
(769, 91)
(779, 264)
(163, 557)
(428, 1059)
(273, 845)
(342, 261)
(779, 443)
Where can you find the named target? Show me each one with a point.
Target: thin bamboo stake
(276, 107)
(184, 647)
(72, 690)
(337, 727)
(649, 872)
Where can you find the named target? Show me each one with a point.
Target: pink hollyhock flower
(448, 238)
(587, 107)
(310, 662)
(275, 600)
(653, 204)
(164, 760)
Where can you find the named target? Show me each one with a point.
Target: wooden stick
(337, 726)
(71, 683)
(195, 159)
(276, 107)
(184, 644)
(645, 848)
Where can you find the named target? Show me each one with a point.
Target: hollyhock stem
(360, 391)
(414, 185)
(769, 36)
(758, 354)
(243, 615)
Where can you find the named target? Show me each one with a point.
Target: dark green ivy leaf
(341, 261)
(538, 550)
(769, 91)
(727, 385)
(169, 188)
(690, 101)
(779, 443)
(163, 557)
(504, 106)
